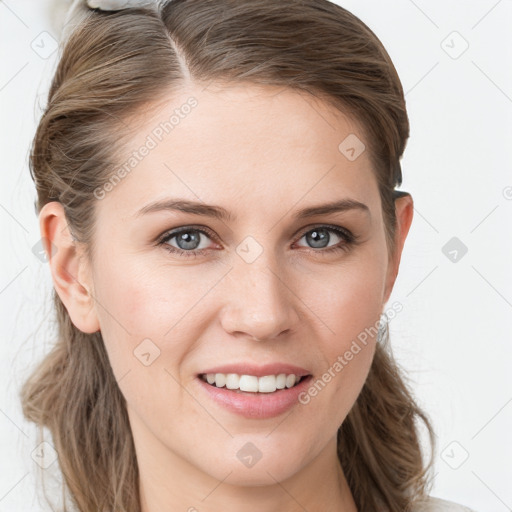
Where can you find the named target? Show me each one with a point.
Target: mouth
(262, 396)
(253, 385)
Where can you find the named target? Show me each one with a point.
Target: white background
(453, 336)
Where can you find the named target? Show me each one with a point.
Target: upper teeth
(266, 384)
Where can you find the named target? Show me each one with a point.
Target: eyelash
(349, 240)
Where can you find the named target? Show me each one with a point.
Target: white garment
(439, 505)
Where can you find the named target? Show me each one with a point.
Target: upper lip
(258, 371)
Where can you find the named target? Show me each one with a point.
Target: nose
(258, 301)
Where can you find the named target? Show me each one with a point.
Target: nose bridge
(258, 301)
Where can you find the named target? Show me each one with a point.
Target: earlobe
(68, 268)
(404, 211)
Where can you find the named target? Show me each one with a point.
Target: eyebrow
(218, 212)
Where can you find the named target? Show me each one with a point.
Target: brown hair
(113, 65)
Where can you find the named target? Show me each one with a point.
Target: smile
(251, 383)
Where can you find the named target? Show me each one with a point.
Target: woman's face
(270, 282)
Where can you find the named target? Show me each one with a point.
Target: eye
(188, 241)
(191, 241)
(319, 237)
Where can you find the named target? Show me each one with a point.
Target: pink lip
(256, 405)
(258, 371)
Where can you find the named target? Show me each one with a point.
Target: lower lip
(256, 405)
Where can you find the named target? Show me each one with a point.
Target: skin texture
(262, 153)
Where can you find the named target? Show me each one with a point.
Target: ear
(404, 210)
(69, 268)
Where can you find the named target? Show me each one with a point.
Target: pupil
(318, 238)
(186, 241)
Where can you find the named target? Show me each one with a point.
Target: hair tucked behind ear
(118, 63)
(378, 443)
(75, 395)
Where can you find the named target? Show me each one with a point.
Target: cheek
(347, 304)
(347, 298)
(146, 299)
(140, 315)
(137, 302)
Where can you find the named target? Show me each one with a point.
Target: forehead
(243, 141)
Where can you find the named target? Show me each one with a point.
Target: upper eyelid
(174, 232)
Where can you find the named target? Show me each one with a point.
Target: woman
(216, 187)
